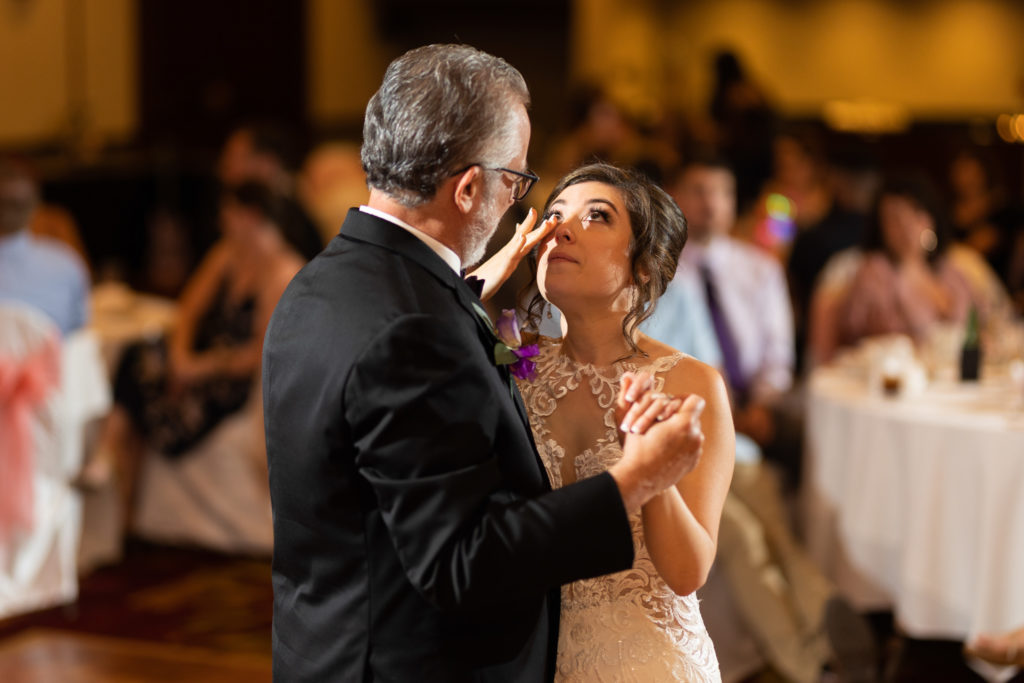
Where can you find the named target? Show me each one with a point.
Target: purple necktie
(730, 354)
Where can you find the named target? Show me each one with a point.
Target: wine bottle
(970, 353)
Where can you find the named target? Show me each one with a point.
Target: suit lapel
(364, 227)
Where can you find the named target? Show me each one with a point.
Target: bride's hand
(638, 406)
(659, 458)
(499, 268)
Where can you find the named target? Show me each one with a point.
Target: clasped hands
(661, 437)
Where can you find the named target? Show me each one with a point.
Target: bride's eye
(596, 215)
(549, 214)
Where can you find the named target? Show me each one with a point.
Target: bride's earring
(549, 312)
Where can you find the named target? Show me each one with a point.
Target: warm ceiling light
(866, 116)
(1018, 127)
(1004, 126)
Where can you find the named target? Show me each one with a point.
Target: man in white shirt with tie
(765, 602)
(746, 294)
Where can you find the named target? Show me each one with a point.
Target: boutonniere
(509, 349)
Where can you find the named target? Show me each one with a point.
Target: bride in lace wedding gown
(628, 626)
(613, 247)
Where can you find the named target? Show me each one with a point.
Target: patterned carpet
(170, 595)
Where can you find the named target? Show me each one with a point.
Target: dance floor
(163, 614)
(174, 614)
(43, 656)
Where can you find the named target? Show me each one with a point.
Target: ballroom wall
(942, 59)
(68, 65)
(342, 36)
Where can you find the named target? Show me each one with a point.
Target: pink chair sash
(24, 384)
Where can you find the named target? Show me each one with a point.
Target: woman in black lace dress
(172, 392)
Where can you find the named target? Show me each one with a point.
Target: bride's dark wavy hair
(659, 234)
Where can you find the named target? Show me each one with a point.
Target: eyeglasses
(520, 185)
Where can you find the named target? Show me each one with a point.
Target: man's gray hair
(440, 108)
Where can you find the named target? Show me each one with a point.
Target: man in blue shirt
(37, 271)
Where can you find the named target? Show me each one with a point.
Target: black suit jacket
(416, 537)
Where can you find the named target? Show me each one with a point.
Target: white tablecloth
(917, 503)
(121, 316)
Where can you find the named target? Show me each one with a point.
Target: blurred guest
(795, 198)
(171, 393)
(56, 222)
(598, 129)
(905, 282)
(267, 154)
(682, 319)
(168, 258)
(982, 215)
(1015, 274)
(746, 294)
(39, 271)
(743, 121)
(331, 181)
(769, 609)
(854, 178)
(767, 606)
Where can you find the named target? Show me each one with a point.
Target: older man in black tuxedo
(416, 535)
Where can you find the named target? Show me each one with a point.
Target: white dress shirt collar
(446, 254)
(695, 255)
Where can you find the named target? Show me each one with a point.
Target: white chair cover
(86, 396)
(38, 569)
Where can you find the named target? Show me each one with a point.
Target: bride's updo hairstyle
(659, 233)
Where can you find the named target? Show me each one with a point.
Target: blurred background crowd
(179, 161)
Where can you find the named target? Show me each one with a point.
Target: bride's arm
(499, 268)
(681, 524)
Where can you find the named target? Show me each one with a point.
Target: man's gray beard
(479, 236)
(482, 227)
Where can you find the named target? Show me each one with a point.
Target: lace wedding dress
(628, 626)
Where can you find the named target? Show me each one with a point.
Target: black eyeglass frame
(526, 177)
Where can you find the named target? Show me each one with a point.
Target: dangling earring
(549, 311)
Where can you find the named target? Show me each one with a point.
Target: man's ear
(468, 187)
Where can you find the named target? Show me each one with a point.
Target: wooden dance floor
(46, 656)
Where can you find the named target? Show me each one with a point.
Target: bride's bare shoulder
(687, 374)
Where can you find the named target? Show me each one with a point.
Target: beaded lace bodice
(628, 626)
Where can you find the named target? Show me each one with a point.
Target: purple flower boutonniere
(509, 349)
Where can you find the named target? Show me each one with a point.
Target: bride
(610, 246)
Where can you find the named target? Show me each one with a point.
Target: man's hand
(658, 458)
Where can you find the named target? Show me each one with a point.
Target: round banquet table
(915, 503)
(121, 316)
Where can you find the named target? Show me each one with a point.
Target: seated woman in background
(171, 393)
(906, 282)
